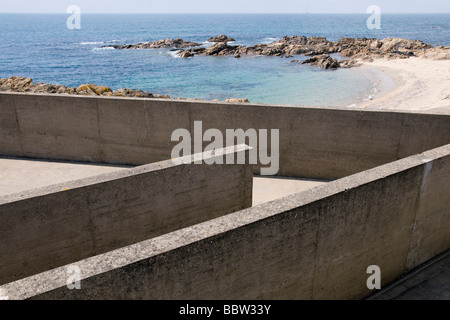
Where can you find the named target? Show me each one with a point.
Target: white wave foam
(269, 40)
(207, 43)
(84, 43)
(372, 95)
(92, 42)
(174, 54)
(103, 48)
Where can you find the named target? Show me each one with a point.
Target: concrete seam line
(410, 274)
(410, 254)
(19, 128)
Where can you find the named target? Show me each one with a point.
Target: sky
(228, 6)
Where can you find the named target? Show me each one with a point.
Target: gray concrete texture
(315, 244)
(22, 174)
(430, 281)
(318, 143)
(44, 228)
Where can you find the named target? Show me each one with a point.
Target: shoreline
(383, 84)
(419, 83)
(416, 83)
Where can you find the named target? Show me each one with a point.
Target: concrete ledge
(315, 244)
(48, 227)
(321, 143)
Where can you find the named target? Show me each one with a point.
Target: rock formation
(25, 85)
(166, 43)
(317, 47)
(20, 84)
(221, 38)
(323, 61)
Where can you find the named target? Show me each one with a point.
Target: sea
(42, 47)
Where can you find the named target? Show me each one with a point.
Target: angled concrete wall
(48, 227)
(315, 244)
(314, 142)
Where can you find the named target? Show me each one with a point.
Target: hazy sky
(228, 6)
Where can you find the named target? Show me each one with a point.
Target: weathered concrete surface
(322, 143)
(20, 174)
(433, 214)
(430, 281)
(48, 227)
(315, 244)
(10, 137)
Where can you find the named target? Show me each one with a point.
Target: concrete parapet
(322, 143)
(316, 244)
(48, 227)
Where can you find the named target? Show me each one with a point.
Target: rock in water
(166, 43)
(220, 49)
(185, 54)
(362, 48)
(323, 61)
(221, 38)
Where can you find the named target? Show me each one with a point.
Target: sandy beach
(417, 83)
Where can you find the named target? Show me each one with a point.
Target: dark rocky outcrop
(25, 85)
(317, 47)
(20, 84)
(166, 43)
(323, 61)
(185, 54)
(221, 38)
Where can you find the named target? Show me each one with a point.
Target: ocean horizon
(41, 46)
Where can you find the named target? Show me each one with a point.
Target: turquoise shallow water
(41, 47)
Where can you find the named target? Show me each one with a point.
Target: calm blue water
(41, 47)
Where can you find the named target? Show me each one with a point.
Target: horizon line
(274, 13)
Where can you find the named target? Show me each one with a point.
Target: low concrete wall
(316, 142)
(48, 227)
(315, 244)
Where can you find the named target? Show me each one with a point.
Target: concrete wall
(315, 244)
(314, 142)
(48, 227)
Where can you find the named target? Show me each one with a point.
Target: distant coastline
(414, 70)
(41, 47)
